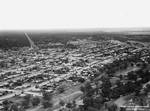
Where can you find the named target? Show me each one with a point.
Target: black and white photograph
(74, 55)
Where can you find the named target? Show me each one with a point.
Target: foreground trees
(96, 95)
(6, 105)
(106, 85)
(35, 101)
(10, 106)
(14, 107)
(26, 101)
(90, 100)
(47, 99)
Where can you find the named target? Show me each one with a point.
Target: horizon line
(105, 29)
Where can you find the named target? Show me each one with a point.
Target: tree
(47, 95)
(14, 107)
(87, 101)
(35, 101)
(87, 89)
(81, 80)
(74, 103)
(69, 105)
(112, 107)
(26, 101)
(21, 108)
(3, 64)
(25, 104)
(131, 76)
(106, 85)
(115, 93)
(47, 104)
(24, 60)
(13, 61)
(61, 103)
(47, 99)
(92, 109)
(119, 83)
(61, 89)
(98, 102)
(6, 105)
(76, 109)
(147, 89)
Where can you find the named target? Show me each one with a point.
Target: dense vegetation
(18, 39)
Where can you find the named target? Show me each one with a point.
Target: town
(81, 75)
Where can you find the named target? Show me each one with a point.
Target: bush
(25, 104)
(47, 104)
(27, 97)
(35, 101)
(6, 104)
(69, 105)
(26, 101)
(14, 107)
(61, 103)
(81, 80)
(47, 96)
(47, 99)
(61, 89)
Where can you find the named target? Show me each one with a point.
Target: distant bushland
(17, 39)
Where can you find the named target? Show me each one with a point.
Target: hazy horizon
(85, 30)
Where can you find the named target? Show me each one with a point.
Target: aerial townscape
(75, 71)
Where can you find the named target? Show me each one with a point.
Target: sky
(73, 14)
